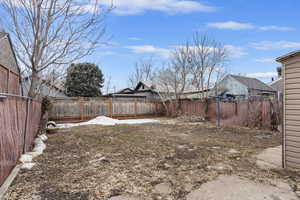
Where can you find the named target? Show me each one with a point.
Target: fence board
(253, 113)
(81, 109)
(12, 130)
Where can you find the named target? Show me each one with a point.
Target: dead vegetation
(96, 162)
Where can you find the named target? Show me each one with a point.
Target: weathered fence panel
(82, 109)
(19, 122)
(263, 114)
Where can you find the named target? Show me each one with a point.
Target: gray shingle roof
(156, 87)
(277, 85)
(252, 83)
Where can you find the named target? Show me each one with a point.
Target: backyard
(165, 160)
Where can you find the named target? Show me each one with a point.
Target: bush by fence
(19, 123)
(81, 109)
(262, 114)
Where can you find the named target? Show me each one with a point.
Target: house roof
(252, 83)
(154, 87)
(125, 90)
(277, 84)
(58, 85)
(7, 55)
(290, 55)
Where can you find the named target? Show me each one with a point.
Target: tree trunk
(33, 84)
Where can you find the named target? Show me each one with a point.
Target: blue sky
(255, 32)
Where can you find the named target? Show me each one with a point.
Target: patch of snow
(43, 137)
(137, 121)
(39, 145)
(107, 121)
(27, 166)
(34, 154)
(25, 158)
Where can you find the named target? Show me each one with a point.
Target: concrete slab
(270, 158)
(236, 188)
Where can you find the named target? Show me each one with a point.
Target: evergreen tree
(279, 71)
(84, 80)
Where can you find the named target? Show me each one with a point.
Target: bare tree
(108, 85)
(175, 79)
(208, 58)
(51, 33)
(143, 71)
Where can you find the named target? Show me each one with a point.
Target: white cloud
(279, 45)
(265, 60)
(235, 51)
(134, 38)
(275, 28)
(106, 53)
(165, 53)
(133, 7)
(232, 25)
(262, 75)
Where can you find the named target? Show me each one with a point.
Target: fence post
(25, 128)
(111, 107)
(218, 111)
(135, 107)
(236, 108)
(262, 113)
(81, 108)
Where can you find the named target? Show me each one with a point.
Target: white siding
(292, 113)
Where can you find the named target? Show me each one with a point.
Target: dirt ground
(97, 162)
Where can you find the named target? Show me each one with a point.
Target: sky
(255, 32)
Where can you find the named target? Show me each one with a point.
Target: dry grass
(96, 162)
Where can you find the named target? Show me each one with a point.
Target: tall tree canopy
(84, 80)
(48, 34)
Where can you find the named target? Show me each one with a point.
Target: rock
(28, 166)
(39, 147)
(51, 124)
(36, 197)
(34, 154)
(123, 197)
(26, 158)
(219, 167)
(163, 188)
(43, 137)
(233, 151)
(38, 141)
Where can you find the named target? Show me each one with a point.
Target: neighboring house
(46, 88)
(10, 78)
(241, 87)
(277, 85)
(126, 93)
(151, 90)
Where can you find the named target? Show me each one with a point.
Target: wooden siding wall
(16, 133)
(82, 109)
(9, 81)
(292, 113)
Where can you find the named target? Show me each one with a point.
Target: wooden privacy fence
(264, 114)
(19, 123)
(82, 109)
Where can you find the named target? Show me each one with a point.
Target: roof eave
(287, 56)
